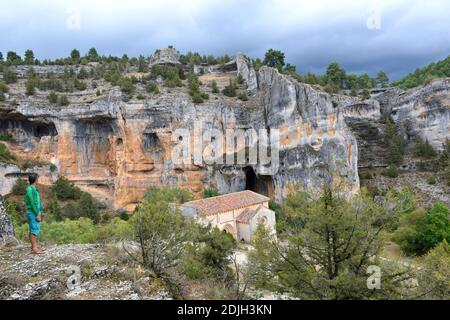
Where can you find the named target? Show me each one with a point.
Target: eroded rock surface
(6, 228)
(116, 149)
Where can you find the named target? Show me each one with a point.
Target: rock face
(244, 68)
(165, 56)
(51, 276)
(6, 227)
(116, 149)
(424, 112)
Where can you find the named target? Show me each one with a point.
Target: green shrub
(52, 97)
(126, 85)
(80, 85)
(391, 171)
(431, 180)
(63, 232)
(9, 76)
(3, 87)
(140, 97)
(29, 88)
(15, 211)
(124, 215)
(435, 227)
(366, 94)
(6, 137)
(208, 255)
(53, 168)
(421, 231)
(63, 189)
(197, 98)
(63, 100)
(20, 187)
(242, 96)
(215, 88)
(117, 229)
(171, 195)
(87, 207)
(210, 193)
(152, 88)
(424, 149)
(230, 90)
(6, 156)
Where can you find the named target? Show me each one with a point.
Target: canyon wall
(117, 149)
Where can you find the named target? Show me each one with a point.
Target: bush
(431, 180)
(20, 187)
(53, 168)
(215, 88)
(210, 193)
(197, 98)
(80, 85)
(243, 96)
(230, 90)
(63, 100)
(152, 88)
(6, 156)
(6, 137)
(424, 149)
(435, 227)
(366, 94)
(171, 195)
(421, 231)
(3, 87)
(208, 255)
(52, 97)
(63, 189)
(9, 76)
(87, 207)
(391, 171)
(140, 97)
(117, 229)
(123, 215)
(64, 232)
(126, 85)
(29, 88)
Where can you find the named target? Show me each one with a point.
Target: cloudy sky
(362, 35)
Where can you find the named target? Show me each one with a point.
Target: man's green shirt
(33, 200)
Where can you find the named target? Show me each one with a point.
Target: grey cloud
(311, 33)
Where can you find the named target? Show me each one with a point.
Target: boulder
(7, 234)
(165, 56)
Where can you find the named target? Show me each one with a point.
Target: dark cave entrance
(259, 184)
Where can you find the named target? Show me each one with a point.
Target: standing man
(34, 212)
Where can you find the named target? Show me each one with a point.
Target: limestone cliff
(118, 149)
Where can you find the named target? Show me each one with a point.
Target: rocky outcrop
(165, 56)
(316, 144)
(245, 69)
(99, 274)
(116, 150)
(6, 228)
(424, 112)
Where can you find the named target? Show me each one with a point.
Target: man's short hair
(32, 178)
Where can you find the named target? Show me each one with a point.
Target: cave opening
(250, 179)
(258, 183)
(24, 131)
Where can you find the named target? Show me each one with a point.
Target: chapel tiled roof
(227, 202)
